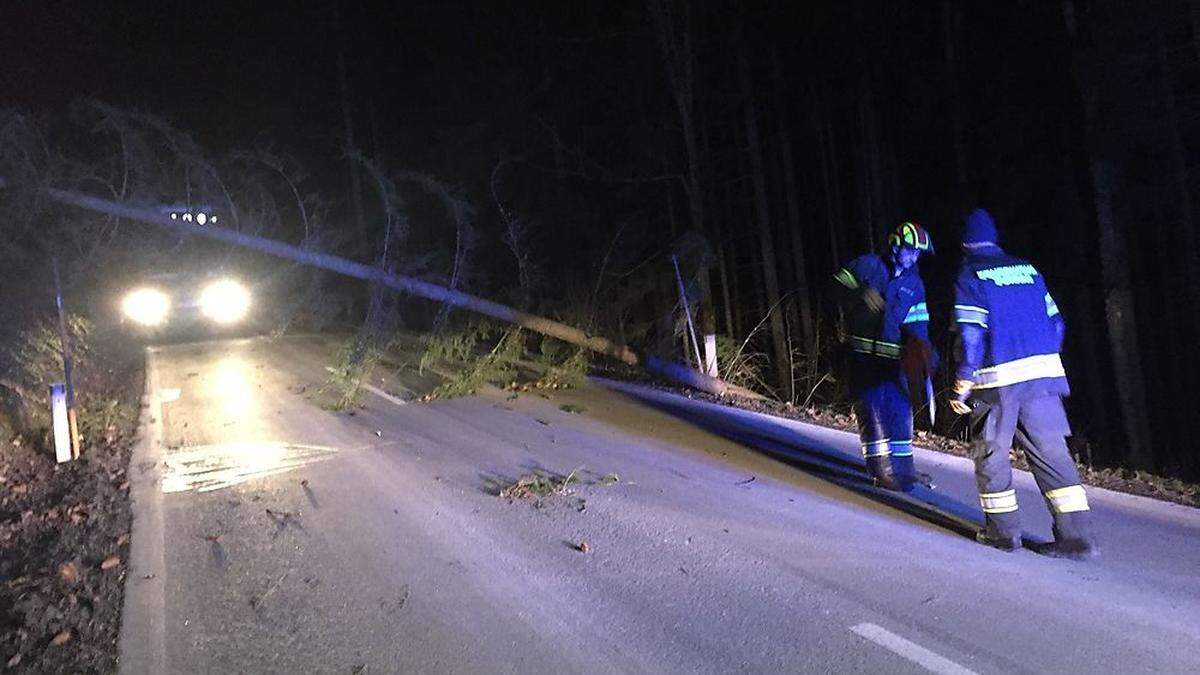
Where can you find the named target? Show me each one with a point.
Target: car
(179, 305)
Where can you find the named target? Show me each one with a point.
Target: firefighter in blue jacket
(882, 301)
(1010, 379)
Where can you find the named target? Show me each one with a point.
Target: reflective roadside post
(63, 450)
(64, 336)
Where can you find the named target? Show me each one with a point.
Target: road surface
(272, 535)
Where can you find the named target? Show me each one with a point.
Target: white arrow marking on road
(375, 390)
(910, 650)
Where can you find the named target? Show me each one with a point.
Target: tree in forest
(1119, 307)
(766, 237)
(674, 30)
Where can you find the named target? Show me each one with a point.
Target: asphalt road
(272, 535)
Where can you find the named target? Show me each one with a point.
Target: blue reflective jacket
(1011, 327)
(904, 313)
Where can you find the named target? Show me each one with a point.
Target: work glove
(958, 399)
(872, 299)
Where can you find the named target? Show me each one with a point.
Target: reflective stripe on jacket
(904, 312)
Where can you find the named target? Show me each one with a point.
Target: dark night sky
(427, 78)
(230, 71)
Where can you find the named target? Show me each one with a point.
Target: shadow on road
(815, 458)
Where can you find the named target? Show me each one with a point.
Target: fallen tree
(673, 371)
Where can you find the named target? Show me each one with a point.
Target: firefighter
(1010, 380)
(882, 303)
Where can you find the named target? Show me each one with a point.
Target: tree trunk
(1194, 15)
(674, 371)
(723, 275)
(951, 22)
(736, 331)
(802, 300)
(1122, 324)
(783, 374)
(871, 173)
(831, 182)
(356, 194)
(1183, 252)
(675, 41)
(1092, 345)
(1114, 266)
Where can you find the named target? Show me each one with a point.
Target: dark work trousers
(885, 415)
(1039, 422)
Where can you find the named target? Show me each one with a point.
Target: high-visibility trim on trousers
(901, 448)
(998, 502)
(876, 448)
(1068, 499)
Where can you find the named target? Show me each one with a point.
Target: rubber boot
(1073, 538)
(1001, 531)
(882, 474)
(906, 474)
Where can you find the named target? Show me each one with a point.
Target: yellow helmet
(913, 235)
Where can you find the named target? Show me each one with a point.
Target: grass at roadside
(64, 529)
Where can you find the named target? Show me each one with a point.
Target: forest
(625, 167)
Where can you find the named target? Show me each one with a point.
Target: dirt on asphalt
(64, 532)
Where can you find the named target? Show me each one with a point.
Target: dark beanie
(981, 229)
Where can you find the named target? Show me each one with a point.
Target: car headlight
(225, 301)
(147, 306)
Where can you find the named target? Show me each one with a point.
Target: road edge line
(375, 390)
(142, 643)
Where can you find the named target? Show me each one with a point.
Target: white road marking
(143, 616)
(376, 390)
(169, 395)
(206, 468)
(910, 650)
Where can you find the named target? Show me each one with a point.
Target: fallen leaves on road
(572, 408)
(61, 639)
(110, 562)
(583, 547)
(69, 572)
(284, 518)
(57, 522)
(539, 484)
(747, 481)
